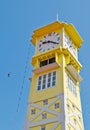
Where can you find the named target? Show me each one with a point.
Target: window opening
(73, 106)
(48, 61)
(46, 81)
(43, 128)
(71, 84)
(52, 60)
(57, 105)
(44, 115)
(75, 121)
(68, 106)
(33, 111)
(45, 102)
(43, 63)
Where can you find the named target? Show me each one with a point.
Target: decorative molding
(42, 109)
(73, 72)
(53, 128)
(58, 119)
(46, 68)
(74, 126)
(62, 117)
(74, 114)
(26, 120)
(45, 121)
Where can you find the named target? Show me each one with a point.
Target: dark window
(49, 74)
(49, 79)
(44, 115)
(44, 76)
(48, 85)
(46, 62)
(39, 83)
(73, 106)
(40, 77)
(68, 106)
(33, 111)
(45, 102)
(43, 63)
(54, 73)
(56, 105)
(43, 128)
(52, 60)
(79, 118)
(75, 121)
(53, 83)
(39, 87)
(43, 87)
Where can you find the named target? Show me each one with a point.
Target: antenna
(57, 17)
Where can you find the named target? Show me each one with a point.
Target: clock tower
(54, 101)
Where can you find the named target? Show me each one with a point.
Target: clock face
(49, 41)
(69, 44)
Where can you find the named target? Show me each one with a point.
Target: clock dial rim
(49, 42)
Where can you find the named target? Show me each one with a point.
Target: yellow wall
(43, 94)
(48, 127)
(62, 59)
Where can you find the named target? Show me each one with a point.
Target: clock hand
(49, 42)
(44, 42)
(54, 42)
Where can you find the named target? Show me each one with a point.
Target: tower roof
(69, 28)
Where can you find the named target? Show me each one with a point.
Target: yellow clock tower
(54, 101)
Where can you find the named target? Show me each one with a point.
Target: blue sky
(18, 19)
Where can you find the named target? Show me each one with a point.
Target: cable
(23, 81)
(15, 126)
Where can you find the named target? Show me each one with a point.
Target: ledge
(46, 68)
(74, 73)
(30, 79)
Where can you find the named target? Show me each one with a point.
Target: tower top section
(69, 29)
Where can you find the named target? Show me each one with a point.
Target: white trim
(35, 105)
(42, 109)
(44, 127)
(64, 111)
(74, 114)
(73, 72)
(26, 120)
(57, 123)
(62, 117)
(74, 126)
(45, 121)
(58, 119)
(71, 84)
(34, 117)
(46, 81)
(78, 122)
(62, 37)
(58, 97)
